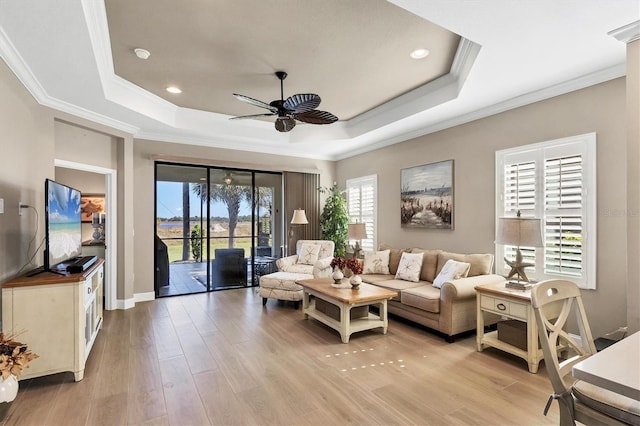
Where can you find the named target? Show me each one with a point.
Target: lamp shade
(299, 217)
(357, 231)
(519, 231)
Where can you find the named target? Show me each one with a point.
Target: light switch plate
(1, 205)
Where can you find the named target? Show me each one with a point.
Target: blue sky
(170, 203)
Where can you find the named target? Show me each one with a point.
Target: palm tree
(231, 196)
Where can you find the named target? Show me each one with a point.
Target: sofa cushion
(399, 285)
(429, 263)
(376, 278)
(309, 253)
(394, 257)
(376, 262)
(409, 267)
(425, 297)
(481, 264)
(452, 270)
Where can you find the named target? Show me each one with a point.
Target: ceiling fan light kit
(301, 107)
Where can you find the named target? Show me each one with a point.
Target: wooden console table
(57, 316)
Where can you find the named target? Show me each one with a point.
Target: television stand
(59, 318)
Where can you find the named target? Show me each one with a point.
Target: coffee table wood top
(364, 293)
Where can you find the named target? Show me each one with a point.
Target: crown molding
(628, 33)
(19, 67)
(568, 86)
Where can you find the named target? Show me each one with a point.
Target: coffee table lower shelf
(346, 325)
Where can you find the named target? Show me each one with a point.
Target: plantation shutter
(362, 207)
(520, 195)
(554, 181)
(563, 231)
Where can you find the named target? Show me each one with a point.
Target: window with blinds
(362, 203)
(554, 181)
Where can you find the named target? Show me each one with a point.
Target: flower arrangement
(14, 356)
(355, 265)
(338, 262)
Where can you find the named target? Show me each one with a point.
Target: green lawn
(175, 247)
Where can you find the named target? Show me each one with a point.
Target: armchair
(229, 268)
(320, 268)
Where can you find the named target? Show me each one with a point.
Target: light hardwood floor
(223, 359)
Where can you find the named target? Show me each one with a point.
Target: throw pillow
(452, 270)
(409, 267)
(309, 254)
(376, 262)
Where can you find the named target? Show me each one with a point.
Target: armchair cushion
(308, 253)
(326, 247)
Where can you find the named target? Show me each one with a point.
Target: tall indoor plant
(335, 219)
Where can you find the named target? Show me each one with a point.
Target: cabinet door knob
(88, 290)
(501, 306)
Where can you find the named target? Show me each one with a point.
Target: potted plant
(14, 357)
(334, 219)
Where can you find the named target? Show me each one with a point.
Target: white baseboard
(124, 304)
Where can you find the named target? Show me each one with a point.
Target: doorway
(215, 228)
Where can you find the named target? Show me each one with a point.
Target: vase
(355, 281)
(337, 275)
(8, 389)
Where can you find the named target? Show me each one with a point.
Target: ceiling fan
(301, 107)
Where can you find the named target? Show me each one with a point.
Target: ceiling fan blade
(255, 102)
(316, 117)
(247, 117)
(302, 102)
(285, 124)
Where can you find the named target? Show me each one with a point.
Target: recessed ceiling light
(142, 53)
(419, 53)
(174, 89)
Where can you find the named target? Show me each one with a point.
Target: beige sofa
(450, 309)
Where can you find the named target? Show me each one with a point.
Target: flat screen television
(63, 224)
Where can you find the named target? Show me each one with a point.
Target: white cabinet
(57, 316)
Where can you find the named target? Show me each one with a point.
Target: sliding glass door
(215, 228)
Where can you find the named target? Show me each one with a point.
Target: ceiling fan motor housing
(297, 107)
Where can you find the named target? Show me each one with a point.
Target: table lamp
(299, 218)
(518, 231)
(357, 232)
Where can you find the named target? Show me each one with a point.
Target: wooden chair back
(552, 333)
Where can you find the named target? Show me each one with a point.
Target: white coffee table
(346, 300)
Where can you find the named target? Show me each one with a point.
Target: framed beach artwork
(427, 196)
(90, 204)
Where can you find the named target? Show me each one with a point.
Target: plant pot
(8, 389)
(355, 281)
(337, 276)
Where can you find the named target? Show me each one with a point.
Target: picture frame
(90, 204)
(427, 196)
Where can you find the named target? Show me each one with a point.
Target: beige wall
(144, 187)
(472, 146)
(26, 148)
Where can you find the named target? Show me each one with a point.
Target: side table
(496, 299)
